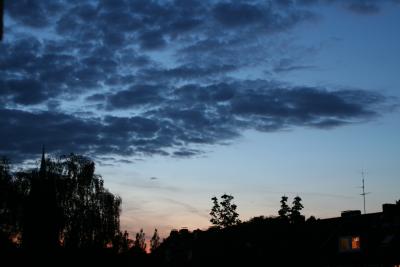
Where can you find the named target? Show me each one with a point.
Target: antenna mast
(363, 189)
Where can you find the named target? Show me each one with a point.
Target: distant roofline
(354, 216)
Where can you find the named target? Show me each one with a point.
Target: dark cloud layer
(363, 7)
(158, 77)
(191, 116)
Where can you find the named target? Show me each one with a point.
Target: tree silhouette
(155, 241)
(5, 187)
(61, 203)
(140, 241)
(82, 197)
(295, 215)
(223, 214)
(311, 219)
(10, 203)
(285, 209)
(122, 243)
(215, 212)
(43, 220)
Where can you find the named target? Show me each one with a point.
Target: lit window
(355, 242)
(349, 243)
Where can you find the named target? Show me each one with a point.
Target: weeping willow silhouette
(63, 203)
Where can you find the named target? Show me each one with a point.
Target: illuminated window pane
(349, 243)
(355, 242)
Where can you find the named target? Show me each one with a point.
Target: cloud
(140, 126)
(141, 78)
(187, 207)
(185, 153)
(298, 103)
(190, 117)
(23, 91)
(186, 72)
(152, 184)
(135, 96)
(23, 132)
(293, 68)
(31, 13)
(237, 14)
(364, 7)
(287, 65)
(361, 7)
(152, 40)
(94, 45)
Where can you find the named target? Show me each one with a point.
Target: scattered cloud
(364, 7)
(187, 207)
(141, 78)
(191, 116)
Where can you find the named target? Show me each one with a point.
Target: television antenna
(363, 194)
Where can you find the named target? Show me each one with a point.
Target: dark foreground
(350, 240)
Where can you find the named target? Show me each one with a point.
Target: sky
(179, 101)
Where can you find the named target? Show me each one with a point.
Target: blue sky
(178, 101)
